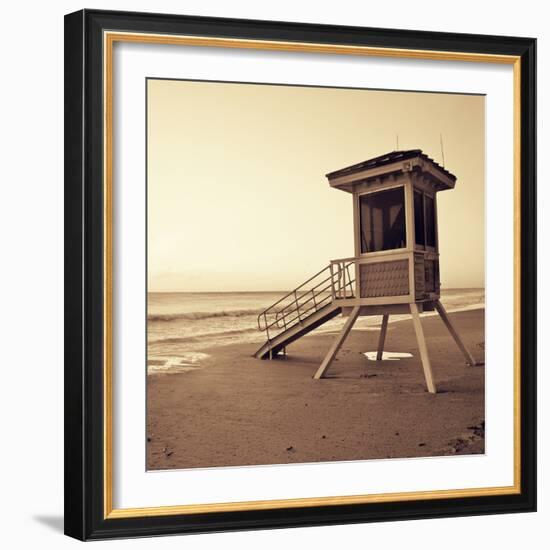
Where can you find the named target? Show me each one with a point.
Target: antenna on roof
(442, 151)
(397, 142)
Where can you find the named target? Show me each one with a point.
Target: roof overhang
(397, 162)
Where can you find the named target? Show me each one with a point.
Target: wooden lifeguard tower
(395, 269)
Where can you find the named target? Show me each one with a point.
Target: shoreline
(209, 350)
(239, 411)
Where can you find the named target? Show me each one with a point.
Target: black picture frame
(84, 276)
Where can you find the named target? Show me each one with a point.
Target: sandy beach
(234, 410)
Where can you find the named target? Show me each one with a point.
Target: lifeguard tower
(395, 269)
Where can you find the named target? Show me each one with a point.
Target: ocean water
(184, 327)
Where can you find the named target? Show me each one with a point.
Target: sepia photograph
(315, 274)
(300, 272)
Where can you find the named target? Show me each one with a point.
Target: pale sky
(237, 194)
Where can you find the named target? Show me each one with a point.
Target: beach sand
(236, 410)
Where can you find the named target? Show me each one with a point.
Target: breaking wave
(201, 337)
(194, 315)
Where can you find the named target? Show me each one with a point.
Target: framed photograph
(300, 274)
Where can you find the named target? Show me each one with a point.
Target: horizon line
(273, 291)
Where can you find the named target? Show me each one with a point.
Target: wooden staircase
(302, 310)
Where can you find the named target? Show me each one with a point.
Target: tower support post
(337, 343)
(382, 338)
(428, 375)
(456, 337)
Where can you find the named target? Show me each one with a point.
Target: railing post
(344, 277)
(333, 291)
(297, 306)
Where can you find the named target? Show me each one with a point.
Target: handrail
(343, 260)
(295, 306)
(324, 289)
(293, 291)
(287, 323)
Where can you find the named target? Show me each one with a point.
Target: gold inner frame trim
(109, 39)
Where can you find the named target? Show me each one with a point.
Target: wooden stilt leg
(448, 323)
(337, 343)
(382, 338)
(423, 349)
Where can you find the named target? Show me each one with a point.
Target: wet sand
(237, 410)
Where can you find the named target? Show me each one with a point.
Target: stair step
(276, 344)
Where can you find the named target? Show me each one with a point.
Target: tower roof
(394, 161)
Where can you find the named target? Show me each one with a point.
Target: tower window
(424, 219)
(419, 226)
(382, 220)
(430, 220)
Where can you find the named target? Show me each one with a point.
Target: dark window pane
(430, 221)
(430, 275)
(382, 220)
(419, 219)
